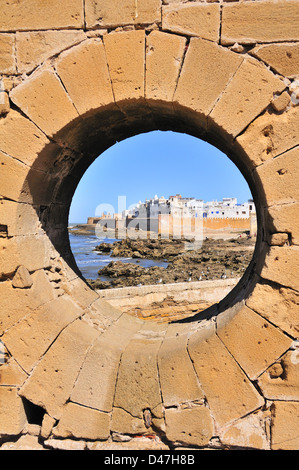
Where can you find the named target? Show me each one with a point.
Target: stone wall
(77, 76)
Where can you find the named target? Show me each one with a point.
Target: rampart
(78, 76)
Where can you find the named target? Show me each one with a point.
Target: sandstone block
(103, 361)
(12, 413)
(43, 99)
(279, 178)
(281, 380)
(179, 383)
(22, 278)
(80, 422)
(52, 380)
(13, 174)
(33, 48)
(4, 103)
(126, 57)
(163, 63)
(192, 19)
(124, 423)
(47, 426)
(31, 252)
(20, 16)
(18, 303)
(264, 21)
(110, 13)
(250, 432)
(11, 374)
(228, 391)
(270, 135)
(281, 102)
(253, 341)
(138, 386)
(7, 58)
(284, 429)
(281, 266)
(283, 58)
(148, 11)
(189, 426)
(284, 219)
(84, 72)
(204, 60)
(29, 339)
(32, 145)
(240, 104)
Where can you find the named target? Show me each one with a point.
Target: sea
(90, 261)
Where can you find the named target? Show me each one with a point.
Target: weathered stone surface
(12, 413)
(280, 265)
(29, 339)
(264, 21)
(281, 102)
(82, 422)
(253, 342)
(33, 143)
(284, 429)
(11, 373)
(270, 135)
(109, 13)
(7, 59)
(17, 303)
(22, 278)
(32, 252)
(33, 48)
(278, 305)
(249, 433)
(52, 380)
(126, 424)
(25, 442)
(13, 174)
(239, 105)
(126, 57)
(284, 218)
(164, 57)
(138, 386)
(47, 426)
(179, 383)
(279, 178)
(228, 391)
(84, 73)
(19, 15)
(189, 426)
(19, 218)
(101, 366)
(4, 103)
(281, 380)
(193, 19)
(204, 60)
(43, 99)
(283, 58)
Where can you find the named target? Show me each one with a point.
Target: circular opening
(166, 219)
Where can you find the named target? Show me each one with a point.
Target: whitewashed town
(178, 206)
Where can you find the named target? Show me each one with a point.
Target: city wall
(76, 77)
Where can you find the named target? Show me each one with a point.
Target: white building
(228, 208)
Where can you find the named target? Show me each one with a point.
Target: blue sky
(159, 162)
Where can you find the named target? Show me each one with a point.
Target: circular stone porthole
(157, 258)
(98, 373)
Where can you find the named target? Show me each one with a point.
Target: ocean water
(90, 261)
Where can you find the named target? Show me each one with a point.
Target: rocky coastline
(215, 259)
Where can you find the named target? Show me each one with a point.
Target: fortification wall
(78, 76)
